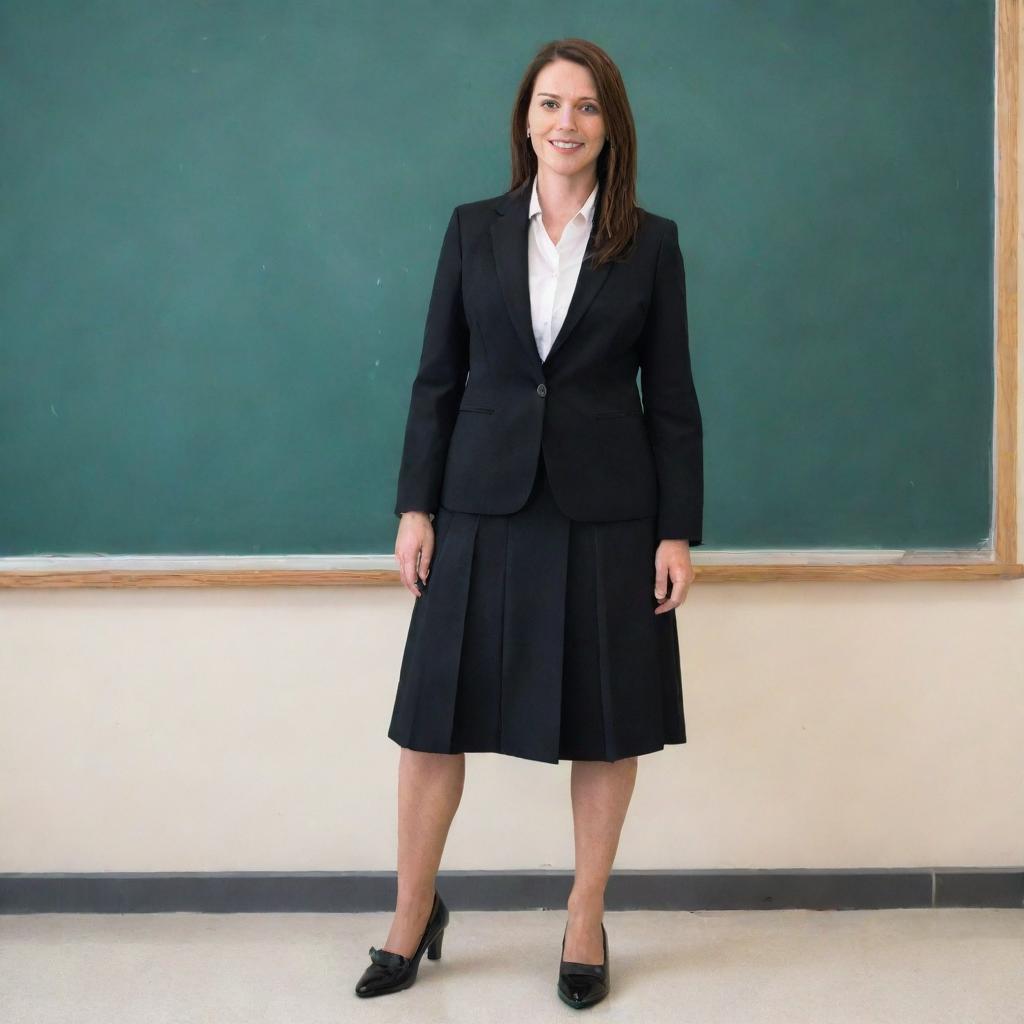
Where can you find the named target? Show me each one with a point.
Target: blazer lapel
(588, 284)
(510, 239)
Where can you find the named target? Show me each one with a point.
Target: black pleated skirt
(535, 636)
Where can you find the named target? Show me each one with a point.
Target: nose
(566, 120)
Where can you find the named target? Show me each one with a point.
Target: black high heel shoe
(391, 972)
(582, 985)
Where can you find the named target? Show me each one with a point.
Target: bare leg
(601, 791)
(429, 790)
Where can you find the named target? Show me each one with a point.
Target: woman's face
(565, 106)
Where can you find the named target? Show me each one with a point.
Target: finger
(407, 571)
(678, 594)
(426, 555)
(406, 575)
(678, 588)
(686, 578)
(660, 581)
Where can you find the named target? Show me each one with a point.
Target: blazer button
(542, 389)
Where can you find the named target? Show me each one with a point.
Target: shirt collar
(587, 209)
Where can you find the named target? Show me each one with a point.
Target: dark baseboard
(263, 892)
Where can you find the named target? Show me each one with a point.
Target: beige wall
(830, 725)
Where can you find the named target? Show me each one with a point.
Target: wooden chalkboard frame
(1000, 562)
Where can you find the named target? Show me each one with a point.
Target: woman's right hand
(414, 547)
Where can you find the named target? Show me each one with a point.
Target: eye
(544, 103)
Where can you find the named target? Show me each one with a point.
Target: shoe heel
(434, 949)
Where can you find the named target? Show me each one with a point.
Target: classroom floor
(788, 966)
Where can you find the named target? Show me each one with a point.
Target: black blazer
(484, 402)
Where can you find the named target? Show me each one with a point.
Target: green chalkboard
(221, 222)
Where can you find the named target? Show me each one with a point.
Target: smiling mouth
(565, 147)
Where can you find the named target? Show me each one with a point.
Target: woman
(544, 512)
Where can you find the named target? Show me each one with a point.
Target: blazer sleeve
(439, 383)
(671, 409)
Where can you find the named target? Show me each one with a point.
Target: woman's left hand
(672, 563)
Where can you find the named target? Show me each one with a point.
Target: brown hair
(617, 217)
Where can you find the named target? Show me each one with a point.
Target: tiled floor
(789, 966)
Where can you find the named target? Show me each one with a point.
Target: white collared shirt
(554, 269)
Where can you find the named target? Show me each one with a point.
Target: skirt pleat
(535, 636)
